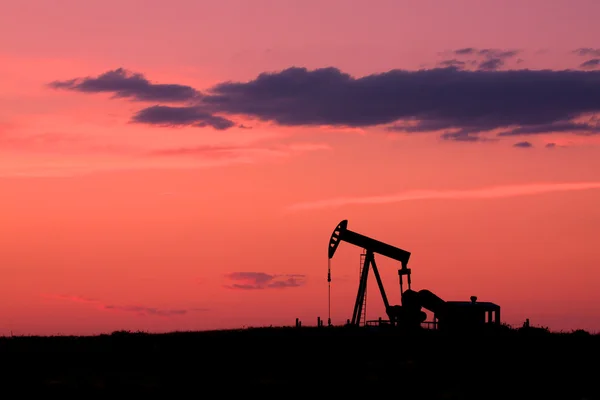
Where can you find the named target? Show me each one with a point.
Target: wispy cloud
(261, 280)
(232, 151)
(89, 159)
(59, 143)
(491, 192)
(136, 309)
(587, 52)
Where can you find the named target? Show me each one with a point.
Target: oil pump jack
(447, 314)
(397, 314)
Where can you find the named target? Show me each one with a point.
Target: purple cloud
(181, 116)
(437, 99)
(523, 145)
(587, 52)
(126, 84)
(489, 59)
(461, 103)
(590, 64)
(261, 280)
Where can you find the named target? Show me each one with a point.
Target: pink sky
(110, 224)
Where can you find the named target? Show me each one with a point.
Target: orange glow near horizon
(111, 225)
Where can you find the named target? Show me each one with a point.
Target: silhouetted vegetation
(288, 362)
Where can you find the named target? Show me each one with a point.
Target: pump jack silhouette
(448, 315)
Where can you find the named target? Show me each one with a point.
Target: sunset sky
(181, 165)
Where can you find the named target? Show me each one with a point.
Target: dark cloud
(590, 127)
(462, 102)
(465, 51)
(489, 59)
(491, 65)
(491, 53)
(181, 116)
(496, 53)
(462, 135)
(550, 145)
(126, 84)
(523, 144)
(459, 64)
(587, 52)
(590, 64)
(261, 280)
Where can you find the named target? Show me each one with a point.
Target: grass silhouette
(283, 362)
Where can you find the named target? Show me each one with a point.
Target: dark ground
(290, 362)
